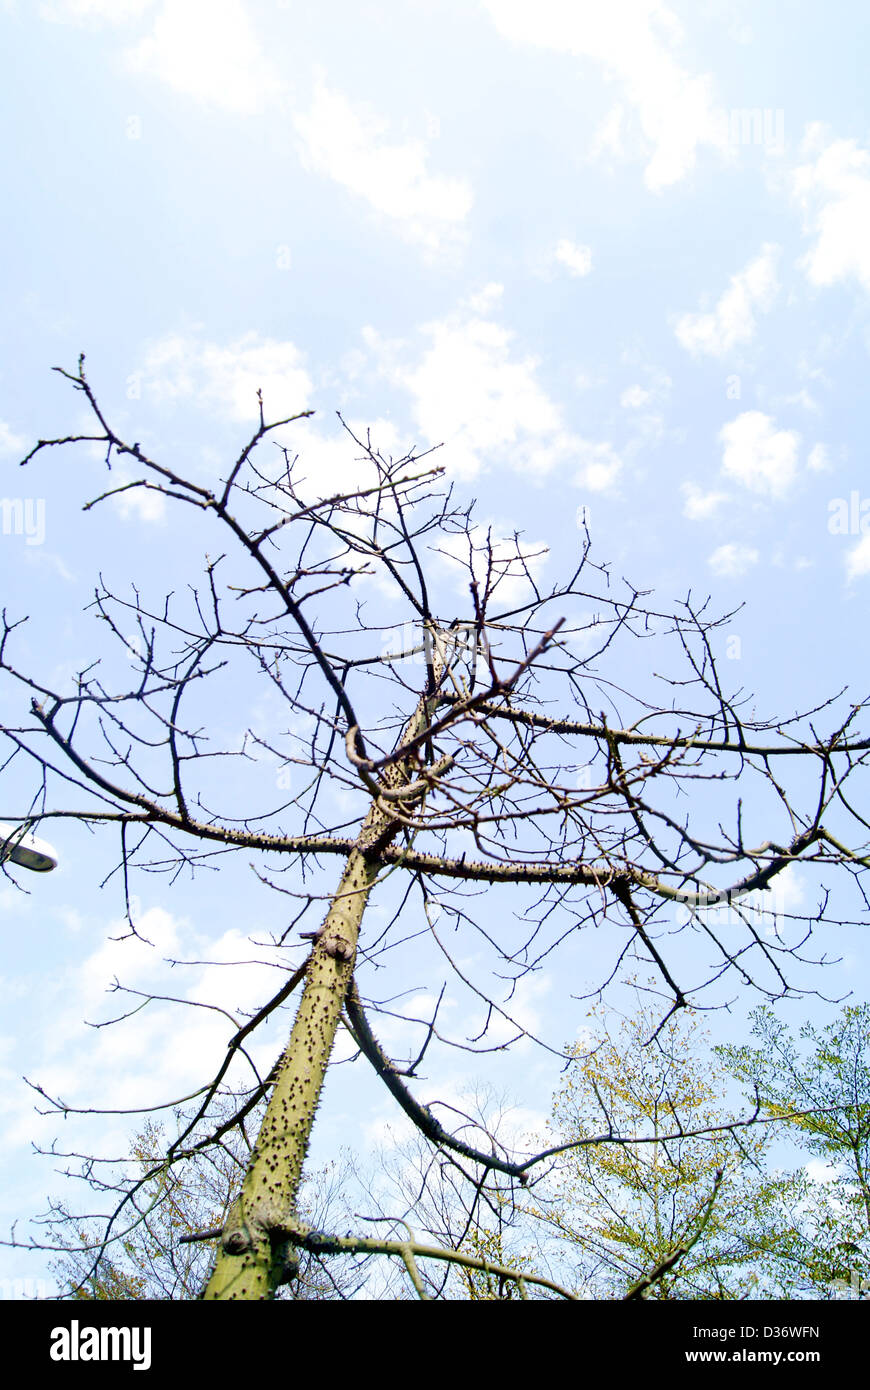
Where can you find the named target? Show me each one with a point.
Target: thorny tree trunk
(254, 1257)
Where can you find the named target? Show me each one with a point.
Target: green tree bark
(255, 1255)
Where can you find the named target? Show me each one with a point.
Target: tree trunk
(252, 1259)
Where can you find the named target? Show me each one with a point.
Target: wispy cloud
(733, 319)
(474, 391)
(144, 503)
(634, 41)
(10, 442)
(600, 465)
(633, 397)
(351, 145)
(226, 377)
(833, 189)
(209, 50)
(575, 257)
(165, 1046)
(700, 505)
(732, 560)
(858, 559)
(206, 49)
(759, 456)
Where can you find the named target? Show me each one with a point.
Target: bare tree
(499, 750)
(160, 1257)
(422, 1189)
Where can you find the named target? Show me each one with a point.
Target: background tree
(676, 1195)
(814, 1239)
(509, 758)
(160, 1256)
(456, 1207)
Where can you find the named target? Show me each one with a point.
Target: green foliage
(627, 1208)
(817, 1231)
(483, 1285)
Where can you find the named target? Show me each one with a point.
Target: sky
(614, 259)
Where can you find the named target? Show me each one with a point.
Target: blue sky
(611, 257)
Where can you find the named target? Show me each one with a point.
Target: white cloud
(633, 41)
(576, 258)
(161, 1049)
(803, 399)
(348, 144)
(208, 50)
(145, 503)
(700, 505)
(633, 397)
(600, 465)
(834, 192)
(227, 378)
(136, 959)
(473, 392)
(858, 559)
(330, 463)
(87, 991)
(43, 559)
(733, 320)
(487, 299)
(649, 425)
(760, 457)
(732, 560)
(224, 984)
(10, 443)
